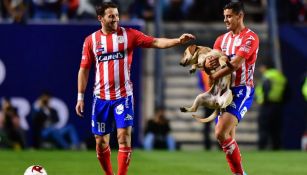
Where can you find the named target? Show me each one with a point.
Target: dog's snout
(181, 64)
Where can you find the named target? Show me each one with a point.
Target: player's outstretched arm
(82, 83)
(163, 43)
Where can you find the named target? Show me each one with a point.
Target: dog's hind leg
(199, 100)
(226, 98)
(208, 119)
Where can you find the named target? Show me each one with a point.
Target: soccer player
(240, 44)
(110, 49)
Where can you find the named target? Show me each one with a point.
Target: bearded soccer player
(110, 49)
(240, 44)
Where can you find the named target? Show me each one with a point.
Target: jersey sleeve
(218, 43)
(249, 45)
(87, 54)
(140, 39)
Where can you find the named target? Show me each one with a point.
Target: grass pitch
(155, 163)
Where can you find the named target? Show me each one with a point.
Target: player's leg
(224, 132)
(226, 126)
(123, 113)
(102, 118)
(124, 151)
(104, 153)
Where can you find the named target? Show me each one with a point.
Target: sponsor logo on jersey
(245, 49)
(248, 43)
(119, 109)
(111, 56)
(100, 49)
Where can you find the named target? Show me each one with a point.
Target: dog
(219, 96)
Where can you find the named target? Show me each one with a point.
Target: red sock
(123, 159)
(104, 157)
(233, 156)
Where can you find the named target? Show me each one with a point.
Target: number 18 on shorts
(106, 113)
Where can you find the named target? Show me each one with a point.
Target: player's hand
(80, 108)
(186, 37)
(212, 63)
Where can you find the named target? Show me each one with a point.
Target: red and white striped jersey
(244, 44)
(112, 56)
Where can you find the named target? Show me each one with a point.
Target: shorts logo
(240, 93)
(128, 117)
(93, 123)
(243, 111)
(120, 109)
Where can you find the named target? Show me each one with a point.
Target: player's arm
(82, 83)
(163, 43)
(232, 66)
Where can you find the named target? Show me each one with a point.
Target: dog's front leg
(193, 68)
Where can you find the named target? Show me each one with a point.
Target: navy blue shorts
(242, 101)
(106, 113)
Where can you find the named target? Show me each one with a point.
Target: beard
(113, 26)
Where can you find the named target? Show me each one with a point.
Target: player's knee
(220, 135)
(123, 139)
(101, 141)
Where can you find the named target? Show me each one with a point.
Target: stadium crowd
(20, 11)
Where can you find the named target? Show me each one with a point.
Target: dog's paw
(183, 109)
(192, 71)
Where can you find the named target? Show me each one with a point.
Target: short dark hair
(101, 8)
(236, 7)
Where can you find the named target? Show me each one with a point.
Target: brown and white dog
(219, 96)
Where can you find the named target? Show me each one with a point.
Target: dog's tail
(208, 119)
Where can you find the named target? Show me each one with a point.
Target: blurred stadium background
(39, 53)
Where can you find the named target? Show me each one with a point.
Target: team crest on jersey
(238, 42)
(120, 39)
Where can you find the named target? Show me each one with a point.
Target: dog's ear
(192, 49)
